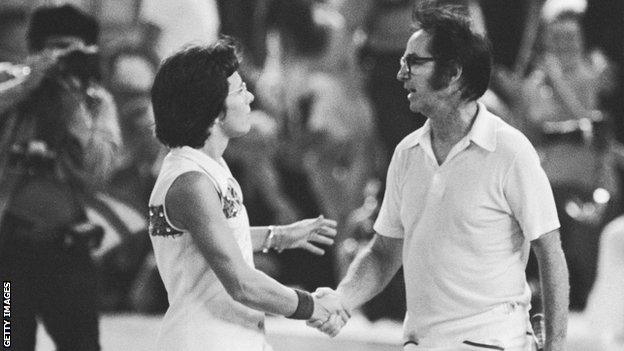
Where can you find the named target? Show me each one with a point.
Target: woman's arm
(302, 234)
(193, 204)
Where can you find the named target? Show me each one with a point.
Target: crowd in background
(329, 111)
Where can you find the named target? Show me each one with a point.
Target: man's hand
(304, 233)
(332, 314)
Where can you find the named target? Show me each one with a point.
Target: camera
(83, 63)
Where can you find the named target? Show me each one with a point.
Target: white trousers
(505, 327)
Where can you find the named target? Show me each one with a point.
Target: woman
(198, 224)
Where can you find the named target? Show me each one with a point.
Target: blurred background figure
(604, 314)
(180, 22)
(59, 137)
(325, 148)
(13, 27)
(556, 100)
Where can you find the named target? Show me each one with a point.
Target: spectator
(562, 115)
(59, 137)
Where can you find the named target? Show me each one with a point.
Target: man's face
(417, 72)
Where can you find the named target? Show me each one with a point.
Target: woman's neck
(215, 144)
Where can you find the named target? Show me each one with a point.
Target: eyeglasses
(243, 87)
(410, 60)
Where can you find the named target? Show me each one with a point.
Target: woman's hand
(305, 233)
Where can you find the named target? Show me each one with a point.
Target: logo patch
(158, 225)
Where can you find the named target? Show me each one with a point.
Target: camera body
(81, 63)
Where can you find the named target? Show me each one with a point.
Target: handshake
(330, 313)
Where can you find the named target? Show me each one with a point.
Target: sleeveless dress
(201, 314)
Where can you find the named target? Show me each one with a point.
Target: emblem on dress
(158, 225)
(232, 202)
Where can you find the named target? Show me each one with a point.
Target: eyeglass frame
(410, 60)
(242, 87)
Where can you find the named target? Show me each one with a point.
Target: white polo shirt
(467, 223)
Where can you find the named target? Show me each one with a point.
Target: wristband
(269, 240)
(305, 306)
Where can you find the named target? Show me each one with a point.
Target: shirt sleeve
(388, 221)
(529, 194)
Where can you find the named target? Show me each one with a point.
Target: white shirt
(467, 223)
(201, 314)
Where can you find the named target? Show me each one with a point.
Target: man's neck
(453, 122)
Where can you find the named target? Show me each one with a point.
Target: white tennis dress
(201, 314)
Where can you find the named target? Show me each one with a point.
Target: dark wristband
(305, 306)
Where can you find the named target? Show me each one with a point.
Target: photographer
(58, 136)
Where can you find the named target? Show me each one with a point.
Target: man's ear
(455, 73)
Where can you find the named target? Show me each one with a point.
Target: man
(59, 133)
(465, 197)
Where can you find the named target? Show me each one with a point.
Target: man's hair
(454, 42)
(189, 92)
(63, 20)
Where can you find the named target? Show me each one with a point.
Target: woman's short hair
(189, 92)
(454, 42)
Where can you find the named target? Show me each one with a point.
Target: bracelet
(305, 306)
(269, 239)
(279, 240)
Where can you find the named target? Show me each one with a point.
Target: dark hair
(189, 92)
(61, 20)
(294, 20)
(454, 42)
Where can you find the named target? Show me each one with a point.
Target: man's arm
(371, 270)
(555, 288)
(17, 82)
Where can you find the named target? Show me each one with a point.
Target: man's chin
(413, 107)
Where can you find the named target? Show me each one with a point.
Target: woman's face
(235, 121)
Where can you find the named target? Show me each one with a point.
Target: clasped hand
(330, 313)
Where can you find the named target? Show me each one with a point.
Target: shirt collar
(482, 133)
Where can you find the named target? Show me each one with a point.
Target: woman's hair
(189, 92)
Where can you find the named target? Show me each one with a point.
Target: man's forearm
(370, 271)
(555, 290)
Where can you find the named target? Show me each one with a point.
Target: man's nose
(402, 74)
